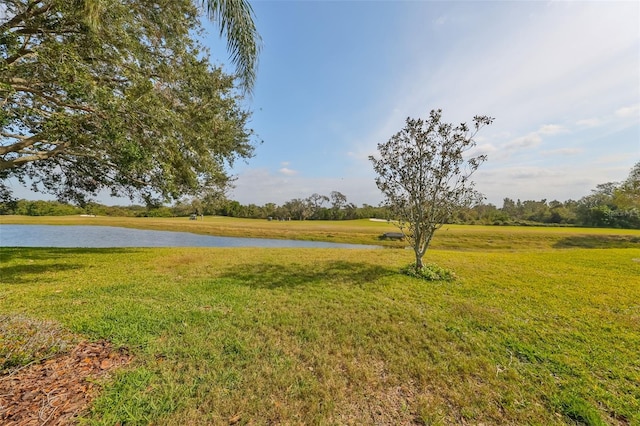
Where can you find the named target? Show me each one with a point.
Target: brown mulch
(56, 391)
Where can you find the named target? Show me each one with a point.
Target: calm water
(109, 236)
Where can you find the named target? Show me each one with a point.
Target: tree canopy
(425, 177)
(121, 95)
(613, 204)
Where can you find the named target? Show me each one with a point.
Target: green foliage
(614, 205)
(159, 212)
(120, 97)
(429, 272)
(44, 208)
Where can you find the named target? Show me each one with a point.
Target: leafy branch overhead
(424, 172)
(119, 96)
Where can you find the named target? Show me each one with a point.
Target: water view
(109, 236)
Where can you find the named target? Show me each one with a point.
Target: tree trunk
(419, 264)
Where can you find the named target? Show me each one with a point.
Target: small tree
(424, 175)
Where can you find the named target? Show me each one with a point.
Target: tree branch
(25, 142)
(27, 14)
(52, 99)
(22, 53)
(42, 155)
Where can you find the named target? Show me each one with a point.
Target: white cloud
(529, 141)
(362, 152)
(287, 171)
(609, 161)
(629, 111)
(534, 139)
(614, 119)
(482, 149)
(563, 151)
(530, 173)
(589, 122)
(551, 129)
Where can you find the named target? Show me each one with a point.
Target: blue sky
(561, 79)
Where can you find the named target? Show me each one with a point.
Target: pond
(109, 236)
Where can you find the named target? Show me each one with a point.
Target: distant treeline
(600, 209)
(611, 205)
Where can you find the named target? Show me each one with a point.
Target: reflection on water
(110, 236)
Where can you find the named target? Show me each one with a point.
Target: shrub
(430, 272)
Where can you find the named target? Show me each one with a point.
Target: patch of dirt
(57, 390)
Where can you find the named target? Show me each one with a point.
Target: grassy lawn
(542, 326)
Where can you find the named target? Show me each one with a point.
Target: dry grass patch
(25, 340)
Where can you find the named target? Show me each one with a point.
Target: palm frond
(235, 18)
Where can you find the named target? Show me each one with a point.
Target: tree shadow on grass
(28, 262)
(270, 276)
(599, 241)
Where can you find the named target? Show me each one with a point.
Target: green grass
(533, 331)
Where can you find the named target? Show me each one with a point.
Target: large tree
(121, 95)
(613, 204)
(424, 173)
(627, 196)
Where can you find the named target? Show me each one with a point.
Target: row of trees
(609, 205)
(315, 207)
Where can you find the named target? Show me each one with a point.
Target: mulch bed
(57, 390)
